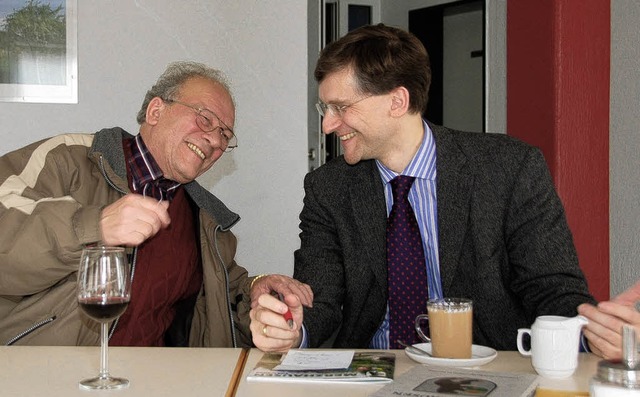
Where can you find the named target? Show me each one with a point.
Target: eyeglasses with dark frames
(205, 121)
(336, 110)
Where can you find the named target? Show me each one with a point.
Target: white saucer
(479, 355)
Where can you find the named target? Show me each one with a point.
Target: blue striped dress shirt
(422, 197)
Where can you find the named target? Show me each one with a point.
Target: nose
(215, 138)
(330, 123)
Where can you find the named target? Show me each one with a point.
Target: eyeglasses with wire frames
(336, 110)
(205, 121)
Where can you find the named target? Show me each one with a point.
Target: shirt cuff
(584, 344)
(304, 343)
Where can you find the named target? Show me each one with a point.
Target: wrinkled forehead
(210, 95)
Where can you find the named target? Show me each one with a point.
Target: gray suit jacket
(504, 242)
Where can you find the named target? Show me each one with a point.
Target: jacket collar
(107, 145)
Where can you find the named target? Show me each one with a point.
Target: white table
(506, 361)
(33, 371)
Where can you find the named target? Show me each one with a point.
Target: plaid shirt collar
(147, 177)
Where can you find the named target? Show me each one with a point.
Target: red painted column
(558, 54)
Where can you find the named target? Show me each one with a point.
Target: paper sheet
(301, 360)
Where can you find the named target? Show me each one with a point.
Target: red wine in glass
(104, 290)
(100, 310)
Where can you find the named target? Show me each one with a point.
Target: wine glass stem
(104, 345)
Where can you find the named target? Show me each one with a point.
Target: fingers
(158, 209)
(601, 346)
(303, 292)
(604, 328)
(295, 288)
(132, 220)
(270, 331)
(593, 348)
(625, 313)
(283, 285)
(272, 310)
(604, 331)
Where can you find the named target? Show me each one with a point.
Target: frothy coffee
(450, 331)
(450, 327)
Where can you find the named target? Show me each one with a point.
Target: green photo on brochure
(364, 367)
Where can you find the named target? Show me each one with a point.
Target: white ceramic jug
(555, 343)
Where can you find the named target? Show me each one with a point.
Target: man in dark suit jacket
(504, 242)
(501, 237)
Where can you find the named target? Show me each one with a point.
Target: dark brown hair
(382, 58)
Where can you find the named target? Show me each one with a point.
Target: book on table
(315, 366)
(432, 381)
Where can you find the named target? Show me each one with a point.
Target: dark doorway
(456, 95)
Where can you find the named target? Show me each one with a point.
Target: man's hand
(132, 220)
(282, 285)
(604, 331)
(269, 329)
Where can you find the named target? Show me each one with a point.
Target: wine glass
(104, 290)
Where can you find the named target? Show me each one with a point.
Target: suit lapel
(368, 205)
(454, 184)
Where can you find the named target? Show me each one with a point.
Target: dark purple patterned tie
(407, 272)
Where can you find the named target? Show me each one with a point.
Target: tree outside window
(33, 44)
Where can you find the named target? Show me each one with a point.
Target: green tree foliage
(36, 25)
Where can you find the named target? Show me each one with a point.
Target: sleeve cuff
(584, 344)
(304, 343)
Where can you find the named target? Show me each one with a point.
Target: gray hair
(170, 82)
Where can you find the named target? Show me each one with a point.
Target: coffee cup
(450, 327)
(555, 342)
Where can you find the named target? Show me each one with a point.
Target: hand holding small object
(287, 315)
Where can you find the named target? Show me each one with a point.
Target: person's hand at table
(604, 331)
(132, 220)
(280, 284)
(269, 328)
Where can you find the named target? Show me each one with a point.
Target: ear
(399, 101)
(153, 110)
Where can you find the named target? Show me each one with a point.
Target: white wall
(123, 46)
(624, 141)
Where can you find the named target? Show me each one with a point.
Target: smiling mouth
(196, 150)
(347, 136)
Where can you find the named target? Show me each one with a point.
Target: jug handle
(521, 333)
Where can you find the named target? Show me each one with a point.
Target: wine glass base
(104, 383)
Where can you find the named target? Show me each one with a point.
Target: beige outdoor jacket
(51, 195)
